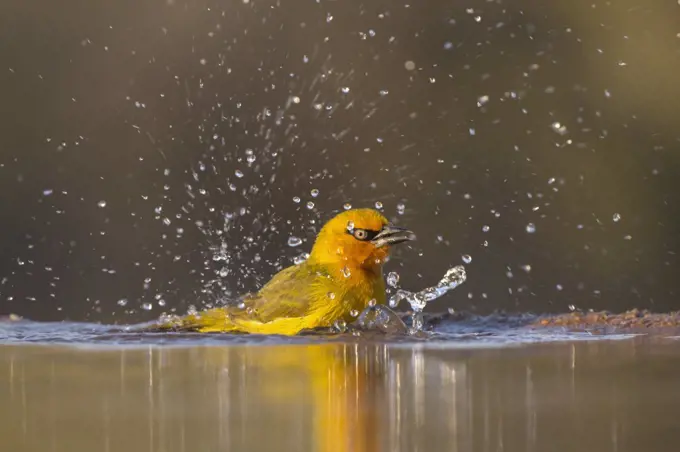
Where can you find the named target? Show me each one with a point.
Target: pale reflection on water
(585, 396)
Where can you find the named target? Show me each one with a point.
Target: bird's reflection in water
(608, 396)
(335, 389)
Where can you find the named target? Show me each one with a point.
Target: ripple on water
(445, 333)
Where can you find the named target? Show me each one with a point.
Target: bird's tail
(213, 320)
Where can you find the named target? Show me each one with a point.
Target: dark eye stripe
(370, 234)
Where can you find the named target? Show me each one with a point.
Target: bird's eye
(360, 234)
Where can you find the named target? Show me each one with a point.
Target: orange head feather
(358, 238)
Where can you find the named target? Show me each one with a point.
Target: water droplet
(350, 226)
(616, 217)
(314, 193)
(161, 302)
(241, 305)
(378, 205)
(572, 307)
(559, 287)
(294, 241)
(345, 89)
(485, 228)
(340, 326)
(122, 302)
(354, 313)
(347, 206)
(251, 158)
(296, 199)
(300, 258)
(102, 203)
(48, 192)
(467, 258)
(346, 272)
(401, 208)
(448, 45)
(147, 306)
(238, 173)
(482, 100)
(410, 65)
(392, 279)
(559, 128)
(331, 295)
(372, 302)
(531, 228)
(310, 205)
(526, 268)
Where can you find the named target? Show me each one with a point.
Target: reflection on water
(580, 396)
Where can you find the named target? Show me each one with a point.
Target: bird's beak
(391, 235)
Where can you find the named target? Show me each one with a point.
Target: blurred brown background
(141, 136)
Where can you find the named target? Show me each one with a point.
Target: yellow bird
(341, 277)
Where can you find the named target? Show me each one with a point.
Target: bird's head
(358, 238)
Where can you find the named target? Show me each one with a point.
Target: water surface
(345, 394)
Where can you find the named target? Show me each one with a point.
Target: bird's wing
(293, 292)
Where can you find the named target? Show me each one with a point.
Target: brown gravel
(633, 319)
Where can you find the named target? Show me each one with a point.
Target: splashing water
(453, 278)
(393, 279)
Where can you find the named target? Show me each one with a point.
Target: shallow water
(488, 331)
(457, 393)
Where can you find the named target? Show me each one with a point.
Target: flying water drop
(300, 258)
(393, 279)
(466, 258)
(294, 241)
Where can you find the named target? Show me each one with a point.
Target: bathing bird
(341, 277)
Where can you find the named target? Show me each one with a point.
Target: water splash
(453, 278)
(381, 318)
